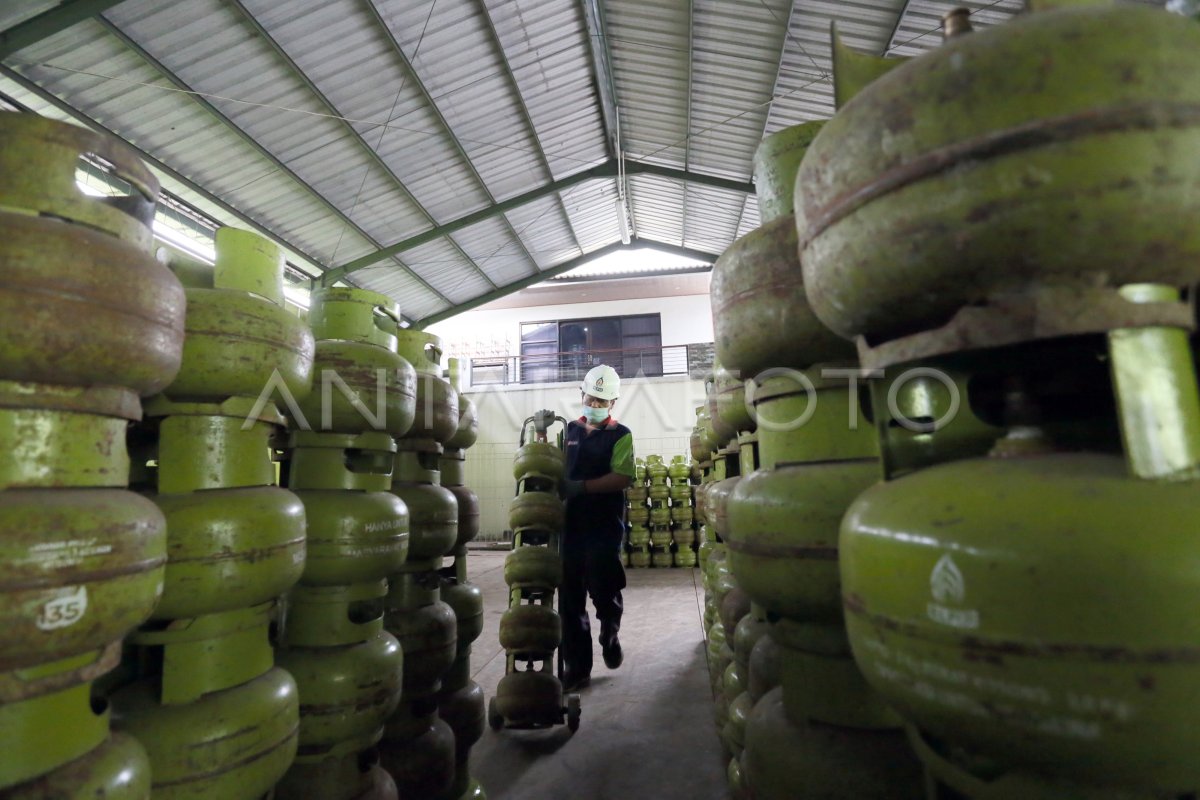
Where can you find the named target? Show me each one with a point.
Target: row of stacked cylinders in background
(661, 514)
(176, 622)
(956, 391)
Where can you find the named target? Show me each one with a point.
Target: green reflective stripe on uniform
(622, 457)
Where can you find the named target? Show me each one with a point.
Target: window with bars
(564, 350)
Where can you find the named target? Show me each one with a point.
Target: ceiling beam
(687, 118)
(547, 274)
(49, 22)
(699, 269)
(783, 45)
(229, 125)
(891, 40)
(458, 148)
(702, 256)
(372, 154)
(605, 170)
(700, 179)
(315, 264)
(512, 81)
(517, 286)
(593, 17)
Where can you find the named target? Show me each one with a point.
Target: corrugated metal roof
(342, 127)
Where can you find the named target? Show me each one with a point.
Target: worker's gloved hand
(571, 489)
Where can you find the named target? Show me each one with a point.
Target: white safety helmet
(603, 382)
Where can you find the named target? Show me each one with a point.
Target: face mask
(595, 415)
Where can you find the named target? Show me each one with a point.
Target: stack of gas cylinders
(965, 335)
(216, 634)
(661, 514)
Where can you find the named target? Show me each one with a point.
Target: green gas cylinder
(346, 692)
(115, 770)
(115, 316)
(468, 424)
(466, 600)
(639, 534)
(639, 556)
(362, 383)
(437, 412)
(539, 460)
(696, 445)
(1082, 101)
(531, 631)
(994, 602)
(656, 470)
(468, 501)
(681, 494)
(679, 470)
(357, 776)
(533, 568)
(357, 530)
(234, 541)
(757, 288)
(541, 511)
(729, 396)
(426, 627)
(231, 742)
(783, 760)
(684, 557)
(68, 589)
(239, 338)
(461, 706)
(432, 509)
(684, 536)
(424, 765)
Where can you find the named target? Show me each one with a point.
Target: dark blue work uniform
(591, 543)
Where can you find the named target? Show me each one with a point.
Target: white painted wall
(659, 411)
(686, 319)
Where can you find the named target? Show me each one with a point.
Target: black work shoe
(573, 683)
(612, 653)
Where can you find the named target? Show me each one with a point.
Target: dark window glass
(566, 350)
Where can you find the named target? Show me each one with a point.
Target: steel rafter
(605, 170)
(49, 22)
(687, 120)
(512, 80)
(593, 17)
(546, 274)
(787, 32)
(891, 40)
(437, 113)
(158, 165)
(270, 41)
(248, 139)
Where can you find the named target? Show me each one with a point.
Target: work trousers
(598, 573)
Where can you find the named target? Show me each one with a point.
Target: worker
(599, 469)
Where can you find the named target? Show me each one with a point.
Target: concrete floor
(647, 729)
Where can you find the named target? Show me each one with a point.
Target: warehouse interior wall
(659, 411)
(497, 331)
